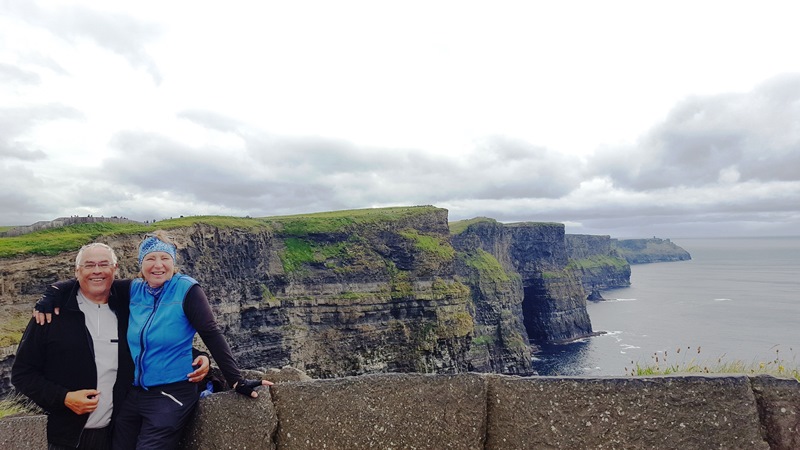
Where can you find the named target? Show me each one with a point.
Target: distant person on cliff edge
(167, 309)
(76, 368)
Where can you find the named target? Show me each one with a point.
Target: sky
(622, 118)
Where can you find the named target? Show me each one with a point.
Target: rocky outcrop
(598, 264)
(553, 302)
(500, 342)
(642, 251)
(492, 412)
(357, 298)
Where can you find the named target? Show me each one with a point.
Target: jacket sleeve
(27, 372)
(54, 296)
(199, 313)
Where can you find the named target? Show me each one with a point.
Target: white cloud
(613, 117)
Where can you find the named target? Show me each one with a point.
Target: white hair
(94, 245)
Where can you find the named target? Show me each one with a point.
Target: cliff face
(356, 297)
(642, 251)
(382, 291)
(596, 261)
(553, 300)
(360, 298)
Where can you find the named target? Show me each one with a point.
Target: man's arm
(27, 372)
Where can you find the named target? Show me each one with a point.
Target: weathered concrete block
(285, 374)
(779, 404)
(623, 413)
(23, 433)
(387, 411)
(228, 420)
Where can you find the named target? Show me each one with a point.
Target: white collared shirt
(101, 323)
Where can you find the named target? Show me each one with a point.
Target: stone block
(23, 433)
(779, 404)
(692, 412)
(386, 411)
(228, 420)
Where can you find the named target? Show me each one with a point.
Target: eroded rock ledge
(480, 411)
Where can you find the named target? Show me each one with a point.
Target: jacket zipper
(147, 323)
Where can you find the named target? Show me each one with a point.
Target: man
(76, 367)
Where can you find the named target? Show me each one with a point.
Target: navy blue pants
(155, 418)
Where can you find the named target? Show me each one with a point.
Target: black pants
(155, 418)
(91, 439)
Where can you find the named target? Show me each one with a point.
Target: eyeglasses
(92, 265)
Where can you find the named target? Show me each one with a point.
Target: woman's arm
(198, 311)
(52, 300)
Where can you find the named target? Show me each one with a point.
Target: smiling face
(95, 272)
(157, 268)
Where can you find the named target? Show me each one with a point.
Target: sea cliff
(642, 251)
(365, 291)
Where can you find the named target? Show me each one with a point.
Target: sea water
(737, 299)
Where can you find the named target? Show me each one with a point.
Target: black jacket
(58, 357)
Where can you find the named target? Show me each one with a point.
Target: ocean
(738, 299)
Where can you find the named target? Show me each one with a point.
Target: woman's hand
(245, 387)
(200, 373)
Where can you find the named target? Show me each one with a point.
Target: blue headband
(153, 244)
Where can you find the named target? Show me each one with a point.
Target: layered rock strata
(367, 291)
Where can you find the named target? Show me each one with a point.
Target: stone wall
(498, 412)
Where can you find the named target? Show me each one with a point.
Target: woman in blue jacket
(167, 308)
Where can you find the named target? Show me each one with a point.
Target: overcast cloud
(612, 117)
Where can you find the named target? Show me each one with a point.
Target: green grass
(687, 362)
(301, 251)
(12, 325)
(486, 265)
(57, 240)
(340, 221)
(460, 226)
(484, 340)
(18, 405)
(53, 241)
(298, 252)
(70, 238)
(214, 221)
(434, 245)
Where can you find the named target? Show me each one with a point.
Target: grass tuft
(686, 361)
(17, 404)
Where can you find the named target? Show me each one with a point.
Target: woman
(167, 308)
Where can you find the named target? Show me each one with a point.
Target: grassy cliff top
(53, 241)
(337, 221)
(459, 226)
